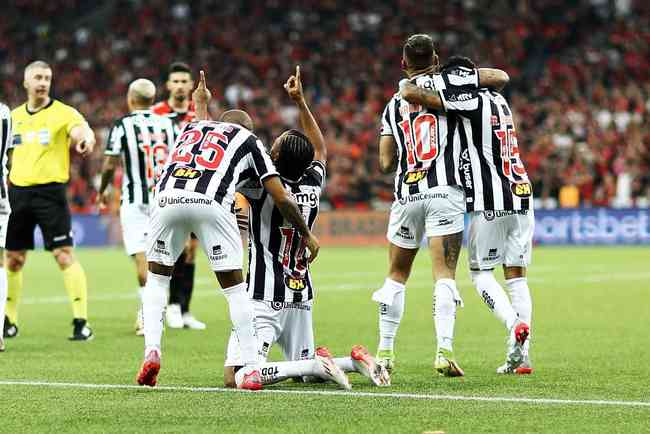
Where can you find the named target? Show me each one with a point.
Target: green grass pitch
(591, 317)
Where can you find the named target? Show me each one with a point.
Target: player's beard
(180, 97)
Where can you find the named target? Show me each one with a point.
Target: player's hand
(85, 147)
(103, 200)
(293, 86)
(201, 94)
(313, 245)
(407, 90)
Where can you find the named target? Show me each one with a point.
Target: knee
(63, 257)
(16, 260)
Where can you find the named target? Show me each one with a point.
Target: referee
(44, 129)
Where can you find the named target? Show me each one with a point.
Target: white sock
(243, 321)
(391, 310)
(3, 296)
(345, 363)
(495, 297)
(445, 299)
(521, 303)
(274, 372)
(154, 300)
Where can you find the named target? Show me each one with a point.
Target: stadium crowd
(580, 77)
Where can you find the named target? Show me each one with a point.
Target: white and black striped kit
(426, 153)
(6, 142)
(213, 158)
(493, 175)
(278, 268)
(143, 140)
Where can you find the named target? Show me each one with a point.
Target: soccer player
(180, 109)
(279, 281)
(44, 130)
(429, 201)
(5, 209)
(499, 202)
(195, 194)
(139, 141)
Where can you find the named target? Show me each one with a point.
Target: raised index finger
(202, 79)
(298, 72)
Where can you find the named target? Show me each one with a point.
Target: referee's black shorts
(43, 205)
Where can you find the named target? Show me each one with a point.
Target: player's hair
(456, 60)
(419, 52)
(296, 154)
(143, 91)
(36, 64)
(179, 67)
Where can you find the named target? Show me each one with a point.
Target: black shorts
(43, 205)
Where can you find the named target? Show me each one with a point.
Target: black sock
(176, 284)
(188, 287)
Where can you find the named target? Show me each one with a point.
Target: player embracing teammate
(498, 197)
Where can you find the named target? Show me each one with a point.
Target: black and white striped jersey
(426, 155)
(278, 269)
(213, 158)
(6, 142)
(494, 176)
(143, 140)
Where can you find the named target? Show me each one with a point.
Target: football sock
(445, 299)
(345, 363)
(176, 284)
(521, 303)
(3, 296)
(391, 310)
(273, 372)
(14, 290)
(154, 299)
(243, 317)
(76, 285)
(187, 287)
(495, 297)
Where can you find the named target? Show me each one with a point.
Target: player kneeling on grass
(279, 279)
(195, 193)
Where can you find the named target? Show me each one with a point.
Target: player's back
(278, 266)
(211, 158)
(425, 152)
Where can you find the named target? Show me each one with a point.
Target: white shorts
(134, 219)
(288, 324)
(178, 213)
(5, 210)
(436, 212)
(500, 237)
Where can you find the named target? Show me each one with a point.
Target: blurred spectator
(580, 76)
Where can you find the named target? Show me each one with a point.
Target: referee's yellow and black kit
(39, 172)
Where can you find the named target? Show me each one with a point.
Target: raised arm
(310, 127)
(493, 78)
(201, 98)
(291, 212)
(420, 96)
(82, 138)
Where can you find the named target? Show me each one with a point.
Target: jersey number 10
(421, 140)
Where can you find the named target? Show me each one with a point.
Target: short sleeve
(386, 129)
(260, 160)
(454, 100)
(73, 119)
(316, 173)
(116, 139)
(460, 77)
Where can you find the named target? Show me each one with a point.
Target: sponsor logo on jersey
(415, 177)
(493, 254)
(295, 284)
(523, 189)
(307, 198)
(186, 173)
(489, 215)
(163, 201)
(466, 168)
(460, 97)
(279, 305)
